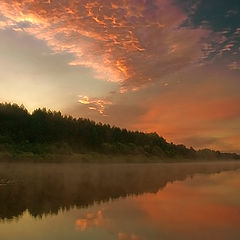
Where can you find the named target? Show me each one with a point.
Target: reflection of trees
(48, 188)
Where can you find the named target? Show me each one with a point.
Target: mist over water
(120, 201)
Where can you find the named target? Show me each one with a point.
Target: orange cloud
(130, 42)
(90, 220)
(94, 103)
(181, 115)
(191, 111)
(202, 112)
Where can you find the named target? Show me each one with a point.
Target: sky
(165, 66)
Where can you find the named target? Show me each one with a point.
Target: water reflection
(46, 189)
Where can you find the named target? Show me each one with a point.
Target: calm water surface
(120, 202)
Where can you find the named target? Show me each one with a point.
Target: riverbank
(94, 157)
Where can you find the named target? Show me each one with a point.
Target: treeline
(46, 131)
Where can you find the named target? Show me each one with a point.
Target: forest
(44, 132)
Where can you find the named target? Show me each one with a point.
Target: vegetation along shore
(46, 135)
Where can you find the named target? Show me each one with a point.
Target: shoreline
(98, 158)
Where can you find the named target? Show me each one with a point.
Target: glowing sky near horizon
(170, 66)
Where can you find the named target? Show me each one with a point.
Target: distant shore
(94, 157)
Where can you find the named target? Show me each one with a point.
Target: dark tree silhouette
(46, 131)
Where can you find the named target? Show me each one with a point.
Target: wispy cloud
(234, 65)
(222, 19)
(96, 104)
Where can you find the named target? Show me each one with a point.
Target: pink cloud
(131, 42)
